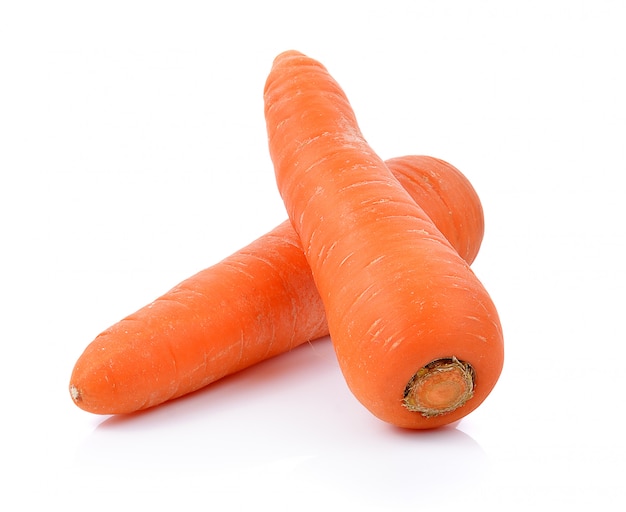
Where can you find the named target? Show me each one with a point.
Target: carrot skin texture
(253, 305)
(397, 295)
(243, 310)
(448, 198)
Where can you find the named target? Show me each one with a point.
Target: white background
(133, 154)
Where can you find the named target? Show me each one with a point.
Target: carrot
(255, 304)
(417, 336)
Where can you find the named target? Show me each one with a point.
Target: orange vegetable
(416, 334)
(255, 304)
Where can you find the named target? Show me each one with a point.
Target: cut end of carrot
(440, 387)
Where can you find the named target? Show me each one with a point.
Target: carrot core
(439, 387)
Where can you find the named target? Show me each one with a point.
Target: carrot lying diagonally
(417, 336)
(255, 304)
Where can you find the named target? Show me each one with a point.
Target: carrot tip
(440, 387)
(75, 392)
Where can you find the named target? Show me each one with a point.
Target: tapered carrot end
(76, 394)
(440, 387)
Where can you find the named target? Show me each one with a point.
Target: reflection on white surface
(311, 435)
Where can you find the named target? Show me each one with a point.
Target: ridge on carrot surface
(417, 336)
(256, 303)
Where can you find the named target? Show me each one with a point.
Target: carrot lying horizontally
(417, 337)
(257, 303)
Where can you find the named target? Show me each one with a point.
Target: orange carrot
(255, 304)
(417, 336)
